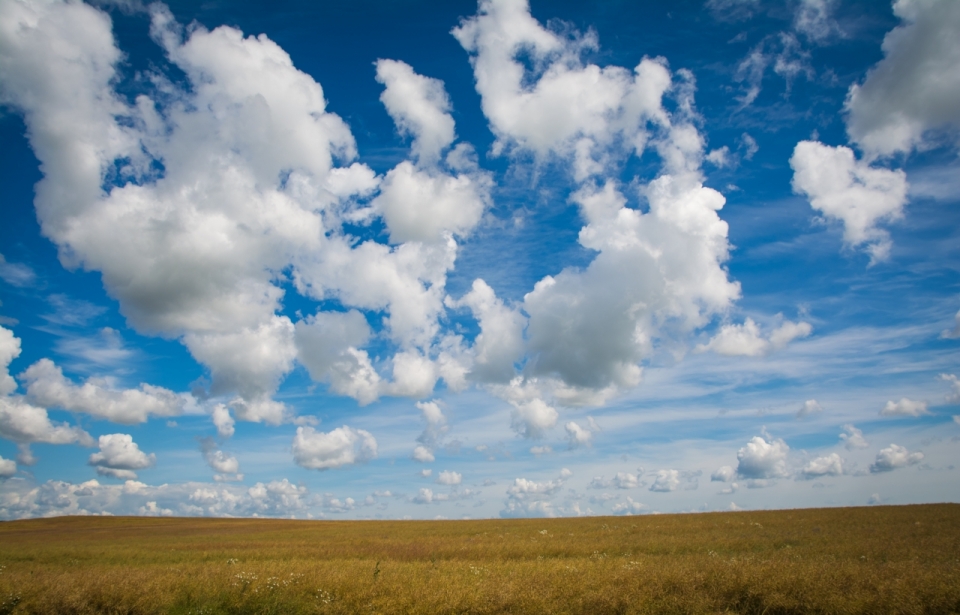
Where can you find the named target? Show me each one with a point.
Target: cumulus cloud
(809, 407)
(47, 386)
(532, 419)
(952, 334)
(9, 350)
(119, 456)
(328, 345)
(651, 268)
(8, 467)
(577, 436)
(226, 465)
(904, 407)
(723, 474)
(223, 421)
(763, 459)
(339, 447)
(912, 92)
(672, 480)
(954, 394)
(746, 339)
(851, 191)
(419, 107)
(853, 438)
(24, 423)
(527, 498)
(894, 457)
(830, 465)
(423, 455)
(499, 344)
(449, 478)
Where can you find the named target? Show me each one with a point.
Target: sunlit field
(903, 559)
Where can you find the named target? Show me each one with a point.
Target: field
(902, 559)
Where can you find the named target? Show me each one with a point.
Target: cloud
(527, 498)
(761, 459)
(954, 394)
(732, 10)
(952, 334)
(24, 423)
(533, 418)
(427, 206)
(852, 192)
(747, 341)
(809, 407)
(434, 429)
(328, 345)
(9, 350)
(905, 407)
(226, 466)
(423, 455)
(8, 467)
(499, 345)
(577, 436)
(853, 438)
(47, 386)
(419, 107)
(223, 421)
(813, 19)
(342, 446)
(449, 478)
(911, 93)
(16, 274)
(894, 457)
(723, 474)
(672, 480)
(119, 456)
(625, 480)
(830, 465)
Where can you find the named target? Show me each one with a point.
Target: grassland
(902, 559)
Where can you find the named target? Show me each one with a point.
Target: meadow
(890, 559)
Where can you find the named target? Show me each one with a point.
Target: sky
(424, 259)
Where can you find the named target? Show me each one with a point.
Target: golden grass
(902, 559)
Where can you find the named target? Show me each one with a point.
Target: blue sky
(447, 259)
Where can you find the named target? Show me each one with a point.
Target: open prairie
(903, 559)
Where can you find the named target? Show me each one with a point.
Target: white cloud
(527, 498)
(830, 465)
(746, 339)
(8, 467)
(813, 18)
(723, 474)
(952, 334)
(16, 274)
(342, 446)
(853, 438)
(414, 375)
(500, 342)
(223, 421)
(894, 457)
(9, 350)
(119, 456)
(809, 407)
(761, 459)
(577, 436)
(225, 464)
(749, 144)
(423, 455)
(954, 394)
(625, 480)
(419, 107)
(846, 189)
(904, 407)
(533, 418)
(913, 90)
(720, 158)
(666, 480)
(328, 346)
(449, 478)
(24, 423)
(47, 386)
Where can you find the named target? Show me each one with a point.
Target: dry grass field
(903, 559)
